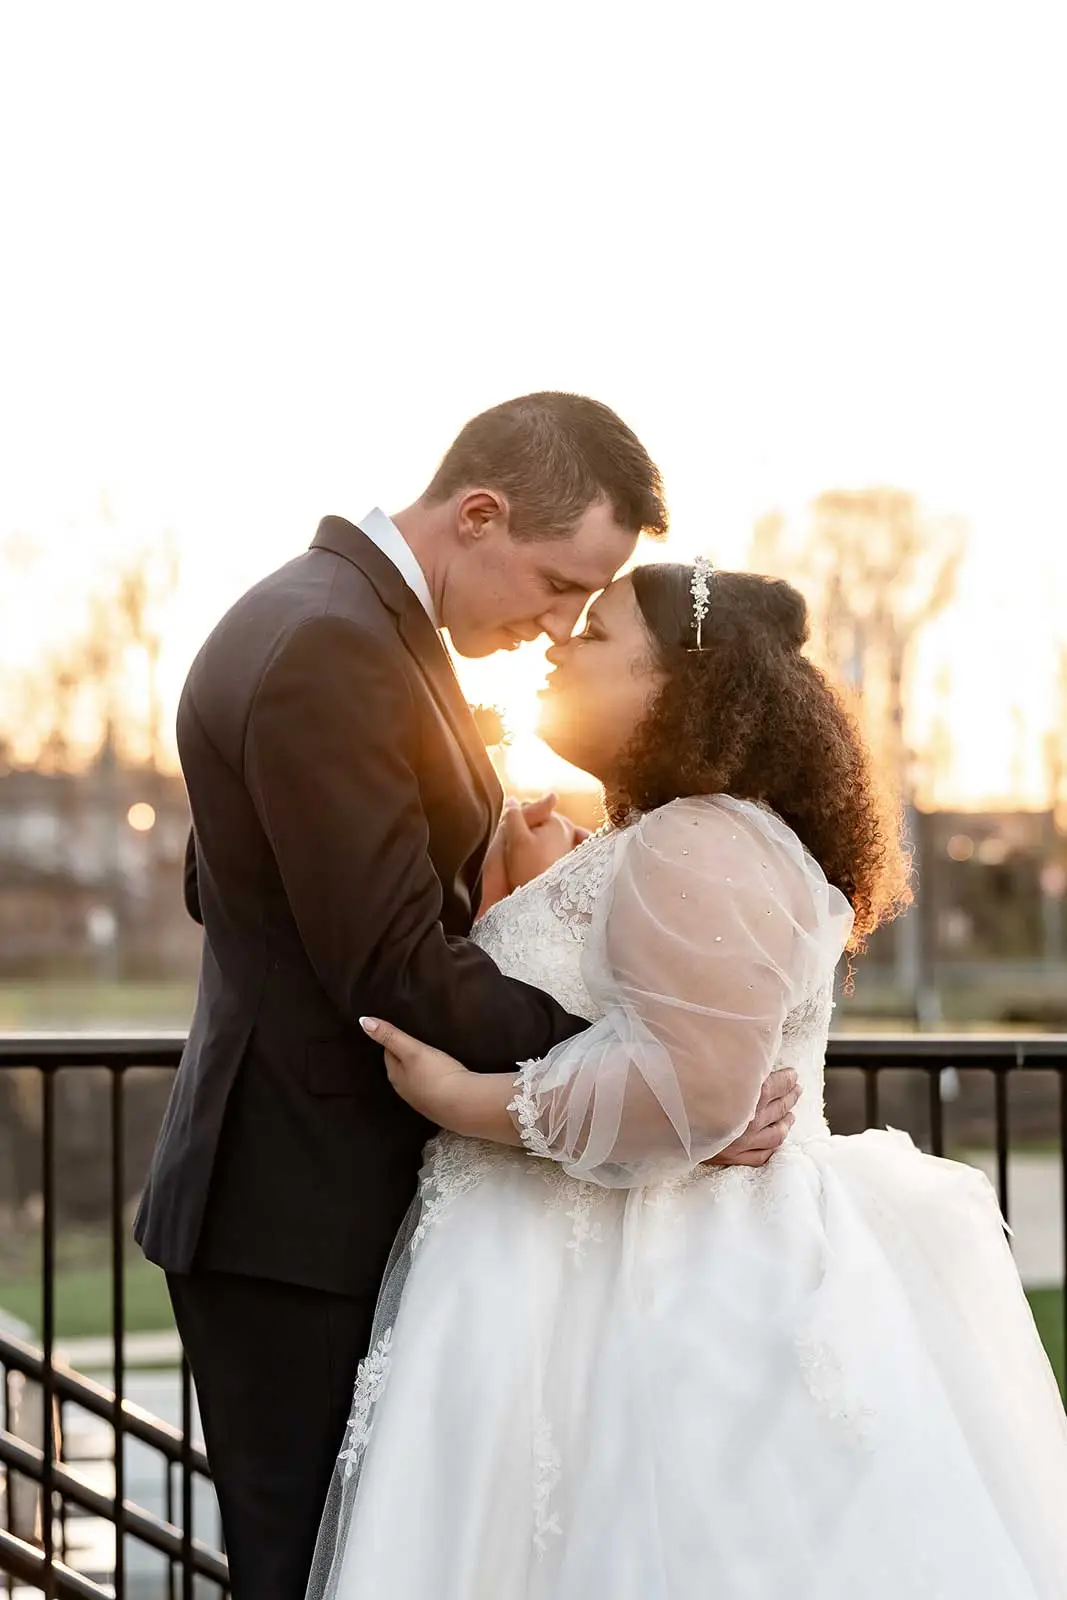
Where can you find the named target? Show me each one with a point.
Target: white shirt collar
(383, 532)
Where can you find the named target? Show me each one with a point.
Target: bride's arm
(481, 1105)
(715, 926)
(474, 1104)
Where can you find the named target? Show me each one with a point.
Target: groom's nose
(558, 632)
(559, 621)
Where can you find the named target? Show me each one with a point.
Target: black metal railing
(39, 1556)
(40, 1463)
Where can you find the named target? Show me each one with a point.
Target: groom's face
(501, 591)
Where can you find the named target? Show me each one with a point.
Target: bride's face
(604, 681)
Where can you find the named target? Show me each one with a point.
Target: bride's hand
(536, 836)
(428, 1079)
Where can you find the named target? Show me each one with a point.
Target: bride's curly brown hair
(750, 716)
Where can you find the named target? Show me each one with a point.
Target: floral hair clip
(699, 589)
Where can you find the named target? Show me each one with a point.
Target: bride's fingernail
(368, 1024)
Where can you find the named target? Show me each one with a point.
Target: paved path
(1035, 1209)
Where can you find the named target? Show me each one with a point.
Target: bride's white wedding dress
(603, 1371)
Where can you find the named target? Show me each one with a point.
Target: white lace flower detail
(370, 1381)
(573, 886)
(537, 933)
(453, 1166)
(546, 1475)
(827, 1384)
(585, 1229)
(524, 1111)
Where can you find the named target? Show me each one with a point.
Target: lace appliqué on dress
(757, 1185)
(453, 1166)
(828, 1386)
(571, 1195)
(585, 1230)
(547, 1472)
(573, 889)
(370, 1381)
(537, 933)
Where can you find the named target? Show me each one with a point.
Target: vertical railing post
(48, 1318)
(1000, 1103)
(937, 1112)
(118, 1317)
(8, 1492)
(63, 1508)
(187, 1482)
(1063, 1209)
(870, 1096)
(169, 1512)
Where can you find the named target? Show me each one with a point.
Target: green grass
(70, 1004)
(83, 1300)
(1047, 1306)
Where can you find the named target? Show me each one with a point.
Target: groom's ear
(479, 513)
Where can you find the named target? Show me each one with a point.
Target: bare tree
(144, 589)
(940, 751)
(876, 570)
(100, 692)
(1057, 744)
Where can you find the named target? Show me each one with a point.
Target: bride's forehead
(616, 603)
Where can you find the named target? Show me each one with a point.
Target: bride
(603, 1370)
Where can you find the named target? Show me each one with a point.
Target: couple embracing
(510, 1248)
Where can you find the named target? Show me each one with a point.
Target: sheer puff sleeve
(715, 924)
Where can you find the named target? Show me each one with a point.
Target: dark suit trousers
(274, 1366)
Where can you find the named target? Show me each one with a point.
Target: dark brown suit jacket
(342, 804)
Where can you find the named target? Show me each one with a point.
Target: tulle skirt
(815, 1381)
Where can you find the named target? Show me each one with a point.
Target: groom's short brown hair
(552, 456)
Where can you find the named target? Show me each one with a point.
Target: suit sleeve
(190, 888)
(330, 765)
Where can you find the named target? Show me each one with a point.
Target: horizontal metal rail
(46, 1051)
(161, 1536)
(139, 1424)
(28, 1564)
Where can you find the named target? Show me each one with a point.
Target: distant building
(90, 873)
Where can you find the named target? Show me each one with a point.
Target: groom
(343, 805)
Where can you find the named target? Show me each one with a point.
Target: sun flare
(511, 682)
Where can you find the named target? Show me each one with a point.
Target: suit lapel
(425, 645)
(421, 640)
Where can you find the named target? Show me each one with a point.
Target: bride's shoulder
(723, 826)
(712, 814)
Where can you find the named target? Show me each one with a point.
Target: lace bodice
(537, 934)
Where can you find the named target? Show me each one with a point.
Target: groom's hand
(495, 885)
(767, 1131)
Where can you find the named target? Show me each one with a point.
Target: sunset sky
(261, 262)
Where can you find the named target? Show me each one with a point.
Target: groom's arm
(330, 757)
